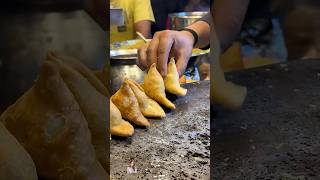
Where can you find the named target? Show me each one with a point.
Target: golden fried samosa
(148, 106)
(153, 86)
(82, 69)
(171, 81)
(128, 105)
(225, 93)
(118, 126)
(94, 106)
(48, 122)
(103, 75)
(15, 162)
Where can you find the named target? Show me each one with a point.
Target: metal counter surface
(119, 72)
(174, 147)
(276, 135)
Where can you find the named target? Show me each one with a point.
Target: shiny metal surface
(183, 19)
(119, 72)
(126, 54)
(119, 45)
(118, 53)
(123, 54)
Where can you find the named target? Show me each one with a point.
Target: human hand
(164, 45)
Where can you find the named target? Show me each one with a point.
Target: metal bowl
(183, 19)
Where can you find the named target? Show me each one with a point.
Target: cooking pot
(182, 19)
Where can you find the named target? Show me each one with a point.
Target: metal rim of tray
(188, 15)
(126, 54)
(132, 54)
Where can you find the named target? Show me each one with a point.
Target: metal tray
(117, 53)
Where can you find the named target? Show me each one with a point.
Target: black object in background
(161, 10)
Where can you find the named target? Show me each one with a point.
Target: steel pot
(182, 19)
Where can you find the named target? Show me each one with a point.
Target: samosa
(82, 69)
(15, 162)
(148, 106)
(118, 126)
(128, 105)
(93, 105)
(225, 93)
(48, 122)
(171, 81)
(153, 86)
(103, 75)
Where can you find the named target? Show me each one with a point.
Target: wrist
(192, 34)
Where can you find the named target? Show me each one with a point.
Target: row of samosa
(61, 123)
(135, 102)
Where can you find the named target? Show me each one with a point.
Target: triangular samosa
(225, 93)
(82, 69)
(48, 122)
(148, 106)
(171, 81)
(15, 162)
(118, 126)
(153, 86)
(128, 105)
(94, 107)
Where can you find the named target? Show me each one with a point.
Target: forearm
(228, 16)
(202, 29)
(143, 27)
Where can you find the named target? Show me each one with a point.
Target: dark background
(30, 28)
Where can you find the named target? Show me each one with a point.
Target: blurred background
(276, 31)
(30, 28)
(266, 138)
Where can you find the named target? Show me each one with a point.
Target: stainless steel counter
(176, 147)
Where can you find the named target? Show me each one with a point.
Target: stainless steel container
(183, 19)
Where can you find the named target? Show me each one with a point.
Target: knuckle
(150, 50)
(166, 33)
